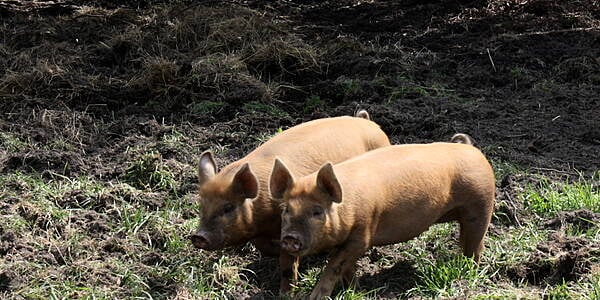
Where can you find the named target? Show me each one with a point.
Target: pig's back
(415, 166)
(305, 147)
(398, 182)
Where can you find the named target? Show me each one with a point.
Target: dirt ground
(87, 86)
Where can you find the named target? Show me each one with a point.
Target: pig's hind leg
(474, 220)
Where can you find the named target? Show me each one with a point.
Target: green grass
(149, 172)
(557, 292)
(306, 281)
(115, 263)
(594, 287)
(549, 197)
(174, 140)
(406, 87)
(132, 219)
(501, 167)
(352, 294)
(349, 86)
(314, 103)
(259, 107)
(513, 247)
(439, 277)
(87, 272)
(12, 143)
(207, 107)
(61, 144)
(592, 233)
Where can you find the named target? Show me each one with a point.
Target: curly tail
(363, 114)
(462, 138)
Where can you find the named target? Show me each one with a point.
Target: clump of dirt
(5, 281)
(562, 258)
(114, 245)
(510, 209)
(582, 219)
(7, 241)
(94, 223)
(60, 162)
(82, 199)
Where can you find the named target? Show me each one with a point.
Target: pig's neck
(267, 220)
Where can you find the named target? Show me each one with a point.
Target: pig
(385, 196)
(236, 206)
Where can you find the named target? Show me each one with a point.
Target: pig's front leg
(348, 277)
(288, 270)
(342, 262)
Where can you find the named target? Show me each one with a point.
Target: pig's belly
(396, 231)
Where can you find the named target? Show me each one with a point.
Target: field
(106, 105)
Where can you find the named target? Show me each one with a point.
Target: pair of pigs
(364, 193)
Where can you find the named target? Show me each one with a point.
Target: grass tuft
(149, 172)
(439, 278)
(549, 197)
(11, 143)
(352, 294)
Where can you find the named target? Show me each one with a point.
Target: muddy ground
(88, 88)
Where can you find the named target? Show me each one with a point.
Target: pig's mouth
(293, 244)
(201, 241)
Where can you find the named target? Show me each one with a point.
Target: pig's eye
(228, 208)
(317, 211)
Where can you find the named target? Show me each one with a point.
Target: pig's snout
(200, 240)
(291, 242)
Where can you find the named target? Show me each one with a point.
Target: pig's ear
(207, 168)
(245, 182)
(328, 183)
(281, 180)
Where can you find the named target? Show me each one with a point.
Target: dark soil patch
(532, 100)
(114, 245)
(562, 258)
(7, 242)
(393, 281)
(94, 223)
(63, 163)
(508, 207)
(5, 280)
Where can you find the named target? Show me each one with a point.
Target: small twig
(554, 170)
(580, 29)
(515, 209)
(490, 57)
(516, 135)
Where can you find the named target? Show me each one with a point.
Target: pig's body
(387, 196)
(305, 147)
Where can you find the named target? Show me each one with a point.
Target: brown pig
(384, 196)
(236, 206)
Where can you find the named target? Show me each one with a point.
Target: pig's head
(226, 209)
(306, 207)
